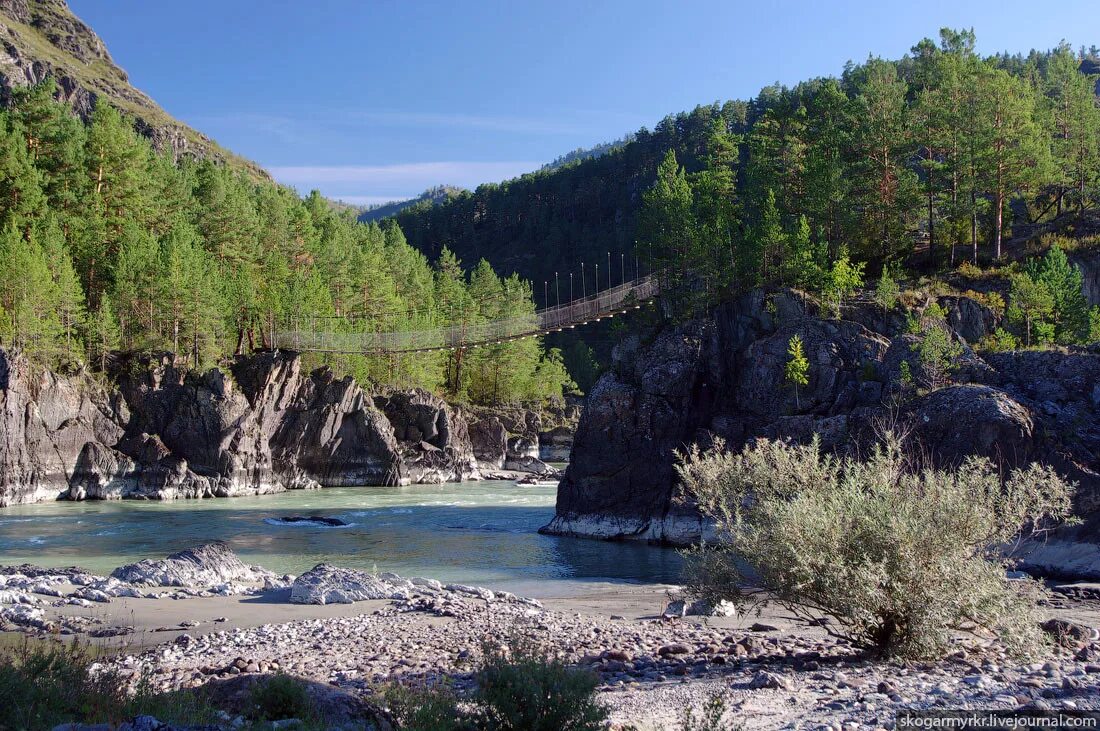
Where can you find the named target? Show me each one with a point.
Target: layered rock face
(434, 443)
(45, 421)
(520, 439)
(262, 426)
(723, 377)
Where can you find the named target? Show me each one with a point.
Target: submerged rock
(310, 520)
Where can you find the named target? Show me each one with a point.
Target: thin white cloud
(496, 123)
(394, 182)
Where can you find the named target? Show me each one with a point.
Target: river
(474, 532)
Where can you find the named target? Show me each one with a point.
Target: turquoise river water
(475, 532)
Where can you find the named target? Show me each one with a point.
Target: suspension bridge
(319, 335)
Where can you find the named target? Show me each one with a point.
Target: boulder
(328, 584)
(969, 318)
(102, 473)
(489, 440)
(206, 565)
(957, 421)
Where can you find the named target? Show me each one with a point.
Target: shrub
(278, 697)
(48, 684)
(899, 556)
(713, 718)
(427, 708)
(521, 689)
(999, 341)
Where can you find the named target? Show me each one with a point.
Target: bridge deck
(613, 301)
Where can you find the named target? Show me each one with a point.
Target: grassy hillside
(40, 38)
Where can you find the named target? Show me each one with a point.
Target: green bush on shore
(896, 555)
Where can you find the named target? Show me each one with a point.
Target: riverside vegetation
(107, 245)
(897, 168)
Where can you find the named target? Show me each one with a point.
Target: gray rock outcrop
(206, 565)
(432, 438)
(261, 426)
(45, 421)
(723, 377)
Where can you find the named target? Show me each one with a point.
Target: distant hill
(41, 38)
(588, 153)
(427, 199)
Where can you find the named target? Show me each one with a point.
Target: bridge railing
(318, 335)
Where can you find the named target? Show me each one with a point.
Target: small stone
(761, 627)
(675, 610)
(765, 679)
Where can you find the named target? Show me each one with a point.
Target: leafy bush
(427, 708)
(898, 555)
(523, 690)
(47, 684)
(280, 696)
(713, 718)
(999, 341)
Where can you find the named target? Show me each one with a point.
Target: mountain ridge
(44, 38)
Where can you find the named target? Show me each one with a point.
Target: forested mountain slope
(431, 196)
(114, 237)
(941, 149)
(43, 38)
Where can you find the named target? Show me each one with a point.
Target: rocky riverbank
(772, 669)
(263, 425)
(723, 377)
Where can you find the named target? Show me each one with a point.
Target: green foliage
(1030, 304)
(936, 149)
(280, 696)
(842, 279)
(887, 291)
(106, 244)
(937, 347)
(1063, 281)
(581, 363)
(713, 718)
(905, 374)
(48, 684)
(999, 341)
(523, 690)
(797, 370)
(897, 555)
(1094, 326)
(428, 708)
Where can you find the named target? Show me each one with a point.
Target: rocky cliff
(43, 38)
(723, 376)
(261, 426)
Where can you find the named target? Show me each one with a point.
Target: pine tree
(666, 230)
(1030, 302)
(1064, 283)
(103, 332)
(797, 370)
(1014, 155)
(882, 184)
(1073, 118)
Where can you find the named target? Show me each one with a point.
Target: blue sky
(375, 101)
